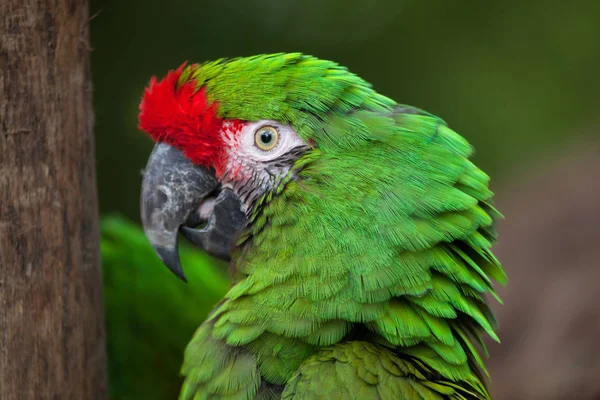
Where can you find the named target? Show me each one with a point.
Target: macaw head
(230, 132)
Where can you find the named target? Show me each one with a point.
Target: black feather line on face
(266, 176)
(287, 159)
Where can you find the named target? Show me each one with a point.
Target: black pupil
(266, 137)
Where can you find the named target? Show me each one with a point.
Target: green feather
(373, 251)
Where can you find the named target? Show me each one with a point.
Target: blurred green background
(518, 79)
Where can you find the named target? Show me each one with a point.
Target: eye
(266, 137)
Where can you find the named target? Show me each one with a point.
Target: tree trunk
(51, 313)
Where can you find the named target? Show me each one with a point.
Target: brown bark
(51, 313)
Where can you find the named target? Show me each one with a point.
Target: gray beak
(173, 190)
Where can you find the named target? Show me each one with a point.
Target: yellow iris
(266, 137)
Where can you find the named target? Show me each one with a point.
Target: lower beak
(173, 191)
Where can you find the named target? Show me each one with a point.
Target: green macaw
(358, 230)
(149, 317)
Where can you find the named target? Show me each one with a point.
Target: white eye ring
(266, 137)
(286, 139)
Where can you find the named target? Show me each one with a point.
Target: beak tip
(170, 257)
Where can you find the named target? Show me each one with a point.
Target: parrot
(358, 233)
(149, 318)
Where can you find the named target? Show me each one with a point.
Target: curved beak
(177, 195)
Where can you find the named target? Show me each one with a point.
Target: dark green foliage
(150, 314)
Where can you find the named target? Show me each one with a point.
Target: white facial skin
(250, 169)
(242, 146)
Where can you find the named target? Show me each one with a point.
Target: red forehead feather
(182, 117)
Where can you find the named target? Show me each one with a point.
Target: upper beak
(173, 189)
